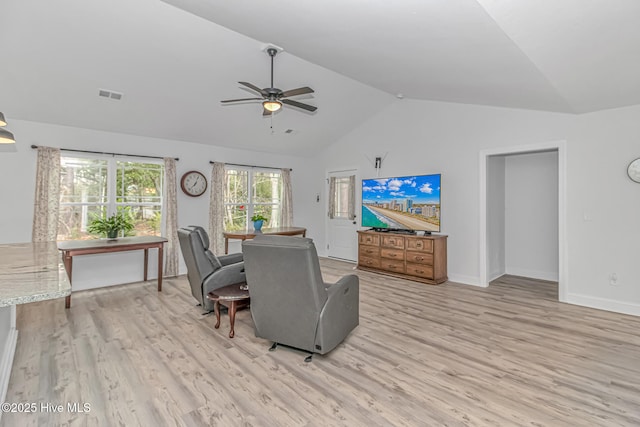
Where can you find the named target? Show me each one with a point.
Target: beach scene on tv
(411, 202)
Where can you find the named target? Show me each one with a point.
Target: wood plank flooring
(452, 355)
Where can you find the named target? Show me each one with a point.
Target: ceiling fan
(272, 98)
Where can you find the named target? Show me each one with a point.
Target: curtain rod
(110, 154)
(250, 166)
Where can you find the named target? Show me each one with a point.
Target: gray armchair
(290, 303)
(207, 272)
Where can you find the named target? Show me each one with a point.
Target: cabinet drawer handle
(419, 271)
(419, 258)
(419, 245)
(392, 267)
(393, 255)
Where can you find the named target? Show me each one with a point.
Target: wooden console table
(250, 234)
(419, 258)
(71, 248)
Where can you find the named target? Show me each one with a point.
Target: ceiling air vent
(288, 131)
(110, 94)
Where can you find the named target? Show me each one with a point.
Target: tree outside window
(94, 187)
(250, 192)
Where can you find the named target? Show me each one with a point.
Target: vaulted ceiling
(174, 60)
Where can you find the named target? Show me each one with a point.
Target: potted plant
(112, 226)
(258, 220)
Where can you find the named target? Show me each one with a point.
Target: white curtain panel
(332, 197)
(46, 207)
(286, 211)
(352, 197)
(216, 209)
(170, 218)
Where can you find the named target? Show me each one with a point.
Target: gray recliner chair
(207, 272)
(290, 303)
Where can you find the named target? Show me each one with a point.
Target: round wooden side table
(233, 297)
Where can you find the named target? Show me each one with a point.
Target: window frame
(249, 204)
(111, 205)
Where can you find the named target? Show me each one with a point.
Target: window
(93, 187)
(341, 198)
(249, 192)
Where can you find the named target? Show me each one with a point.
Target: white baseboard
(465, 280)
(496, 275)
(604, 304)
(6, 363)
(551, 276)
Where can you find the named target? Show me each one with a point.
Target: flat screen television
(402, 203)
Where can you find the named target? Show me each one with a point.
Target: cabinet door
(420, 270)
(369, 262)
(416, 244)
(420, 257)
(392, 265)
(392, 253)
(369, 251)
(396, 242)
(369, 239)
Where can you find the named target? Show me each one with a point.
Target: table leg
(160, 269)
(68, 265)
(232, 317)
(146, 263)
(226, 245)
(216, 310)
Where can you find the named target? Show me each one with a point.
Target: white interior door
(342, 237)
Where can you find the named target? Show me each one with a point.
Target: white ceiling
(174, 67)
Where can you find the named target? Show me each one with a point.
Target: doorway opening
(490, 161)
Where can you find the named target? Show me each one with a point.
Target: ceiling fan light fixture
(272, 106)
(6, 137)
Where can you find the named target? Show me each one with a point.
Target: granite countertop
(31, 272)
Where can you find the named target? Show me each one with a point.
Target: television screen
(403, 202)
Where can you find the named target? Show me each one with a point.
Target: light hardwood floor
(422, 356)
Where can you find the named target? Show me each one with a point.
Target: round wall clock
(634, 170)
(193, 183)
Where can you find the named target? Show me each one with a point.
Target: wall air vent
(110, 94)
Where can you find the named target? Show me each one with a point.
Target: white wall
(603, 211)
(432, 137)
(496, 241)
(531, 215)
(17, 173)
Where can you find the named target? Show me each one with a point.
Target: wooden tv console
(419, 258)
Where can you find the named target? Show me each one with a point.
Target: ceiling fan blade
(254, 87)
(242, 99)
(299, 105)
(299, 91)
(266, 112)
